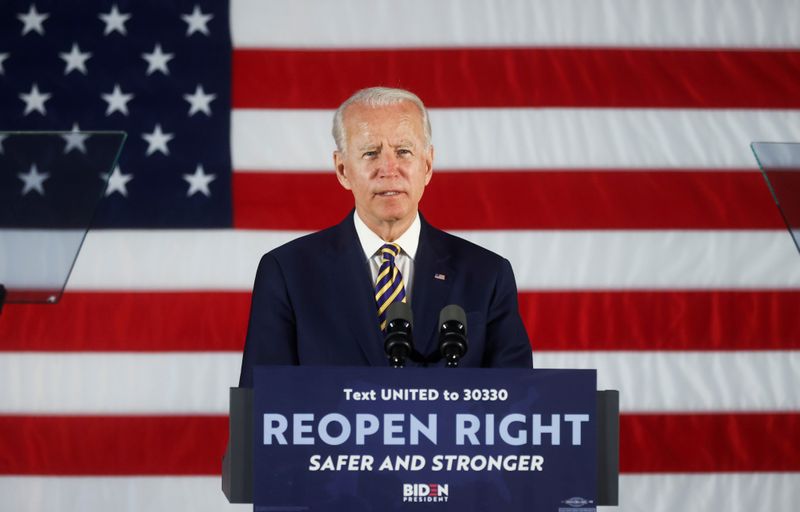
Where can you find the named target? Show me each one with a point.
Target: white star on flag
(35, 100)
(198, 182)
(33, 20)
(33, 180)
(75, 140)
(115, 21)
(75, 59)
(200, 101)
(196, 21)
(157, 141)
(117, 101)
(3, 56)
(157, 60)
(117, 182)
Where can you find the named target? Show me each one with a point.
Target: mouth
(389, 193)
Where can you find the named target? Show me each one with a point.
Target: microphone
(398, 342)
(452, 334)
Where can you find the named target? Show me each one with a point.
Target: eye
(404, 152)
(369, 154)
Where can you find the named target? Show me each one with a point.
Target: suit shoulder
(311, 242)
(463, 249)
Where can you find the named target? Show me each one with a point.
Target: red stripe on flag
(522, 77)
(128, 321)
(193, 445)
(664, 443)
(112, 445)
(785, 182)
(561, 320)
(657, 199)
(663, 320)
(276, 200)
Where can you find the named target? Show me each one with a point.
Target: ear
(341, 173)
(429, 165)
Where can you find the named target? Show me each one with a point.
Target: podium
(50, 186)
(335, 438)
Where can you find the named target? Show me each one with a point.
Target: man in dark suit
(321, 299)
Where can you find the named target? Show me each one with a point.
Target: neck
(389, 231)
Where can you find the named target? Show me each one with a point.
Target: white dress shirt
(408, 242)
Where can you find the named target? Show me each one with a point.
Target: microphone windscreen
(453, 312)
(400, 310)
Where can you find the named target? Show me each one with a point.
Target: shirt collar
(371, 243)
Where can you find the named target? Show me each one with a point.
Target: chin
(394, 210)
(396, 213)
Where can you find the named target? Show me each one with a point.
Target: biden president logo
(426, 493)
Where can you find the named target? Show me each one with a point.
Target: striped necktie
(389, 286)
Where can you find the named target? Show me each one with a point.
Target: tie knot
(390, 251)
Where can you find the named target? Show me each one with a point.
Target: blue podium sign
(362, 439)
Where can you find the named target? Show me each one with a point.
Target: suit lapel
(356, 298)
(433, 278)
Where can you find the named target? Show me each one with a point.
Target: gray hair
(378, 97)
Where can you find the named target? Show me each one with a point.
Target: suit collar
(371, 242)
(356, 291)
(433, 278)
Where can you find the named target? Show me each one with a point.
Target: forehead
(402, 120)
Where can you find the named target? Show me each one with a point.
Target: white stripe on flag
(197, 383)
(117, 383)
(690, 381)
(173, 259)
(649, 259)
(731, 492)
(447, 23)
(121, 494)
(54, 252)
(524, 138)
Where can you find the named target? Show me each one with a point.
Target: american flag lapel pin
(440, 277)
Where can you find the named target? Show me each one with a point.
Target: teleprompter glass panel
(780, 164)
(50, 186)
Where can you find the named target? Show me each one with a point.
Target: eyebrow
(369, 146)
(404, 142)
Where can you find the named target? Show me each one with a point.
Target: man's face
(385, 163)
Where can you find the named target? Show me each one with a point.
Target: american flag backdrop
(603, 147)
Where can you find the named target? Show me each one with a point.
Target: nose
(388, 165)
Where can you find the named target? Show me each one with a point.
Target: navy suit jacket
(313, 303)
